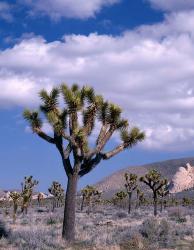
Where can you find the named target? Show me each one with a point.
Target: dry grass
(106, 228)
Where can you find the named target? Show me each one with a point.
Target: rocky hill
(183, 179)
(168, 169)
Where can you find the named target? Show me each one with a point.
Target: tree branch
(69, 138)
(114, 152)
(102, 133)
(101, 142)
(67, 151)
(88, 165)
(44, 136)
(65, 159)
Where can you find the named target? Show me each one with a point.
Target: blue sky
(137, 53)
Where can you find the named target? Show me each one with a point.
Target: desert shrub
(157, 232)
(24, 222)
(42, 210)
(177, 212)
(81, 245)
(120, 215)
(4, 244)
(181, 220)
(150, 229)
(4, 232)
(135, 243)
(165, 233)
(51, 221)
(183, 230)
(35, 239)
(124, 234)
(137, 214)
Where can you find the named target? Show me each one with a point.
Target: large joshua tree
(71, 137)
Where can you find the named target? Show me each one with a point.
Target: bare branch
(44, 136)
(88, 165)
(66, 161)
(114, 152)
(69, 138)
(102, 133)
(102, 142)
(67, 151)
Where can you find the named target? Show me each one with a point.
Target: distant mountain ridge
(167, 168)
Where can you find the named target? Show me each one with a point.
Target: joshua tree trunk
(53, 204)
(165, 204)
(161, 208)
(24, 209)
(82, 204)
(89, 206)
(15, 212)
(155, 205)
(69, 211)
(137, 202)
(129, 206)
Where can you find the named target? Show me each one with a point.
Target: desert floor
(106, 227)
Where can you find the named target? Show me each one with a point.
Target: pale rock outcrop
(35, 196)
(183, 179)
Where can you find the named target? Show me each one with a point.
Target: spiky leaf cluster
(90, 192)
(130, 182)
(164, 190)
(15, 196)
(33, 118)
(27, 188)
(57, 191)
(120, 195)
(142, 198)
(132, 137)
(67, 126)
(50, 101)
(154, 180)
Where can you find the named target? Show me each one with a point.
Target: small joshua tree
(163, 192)
(40, 198)
(15, 196)
(186, 201)
(89, 195)
(97, 196)
(154, 181)
(86, 193)
(137, 197)
(71, 136)
(130, 185)
(142, 199)
(27, 191)
(119, 197)
(58, 193)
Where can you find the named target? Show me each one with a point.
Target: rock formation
(183, 179)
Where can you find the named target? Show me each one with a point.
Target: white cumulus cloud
(149, 71)
(67, 8)
(6, 11)
(172, 5)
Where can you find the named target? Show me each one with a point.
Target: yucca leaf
(33, 119)
(75, 87)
